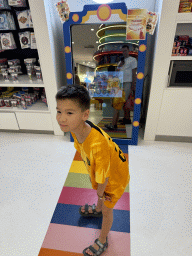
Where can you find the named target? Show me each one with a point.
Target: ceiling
(82, 36)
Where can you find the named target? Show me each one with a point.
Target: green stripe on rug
(78, 180)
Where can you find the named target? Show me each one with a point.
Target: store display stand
(38, 118)
(94, 14)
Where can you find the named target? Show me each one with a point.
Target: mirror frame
(94, 12)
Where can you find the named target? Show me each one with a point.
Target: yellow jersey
(104, 159)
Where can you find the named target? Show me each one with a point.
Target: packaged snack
(136, 24)
(184, 38)
(4, 4)
(7, 41)
(15, 69)
(4, 24)
(3, 62)
(23, 19)
(5, 75)
(185, 10)
(14, 103)
(190, 52)
(39, 75)
(7, 21)
(13, 62)
(152, 18)
(185, 5)
(2, 103)
(33, 41)
(29, 61)
(17, 3)
(25, 39)
(7, 101)
(23, 104)
(14, 77)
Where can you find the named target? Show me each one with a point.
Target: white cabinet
(8, 121)
(34, 121)
(169, 109)
(38, 117)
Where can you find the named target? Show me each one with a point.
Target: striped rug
(69, 233)
(119, 133)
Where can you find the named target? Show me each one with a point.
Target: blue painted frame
(76, 18)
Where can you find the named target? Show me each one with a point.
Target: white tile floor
(33, 169)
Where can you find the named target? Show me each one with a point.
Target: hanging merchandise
(152, 18)
(23, 19)
(25, 39)
(4, 4)
(63, 10)
(7, 21)
(18, 3)
(140, 22)
(136, 24)
(8, 42)
(33, 41)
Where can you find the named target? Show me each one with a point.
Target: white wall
(55, 28)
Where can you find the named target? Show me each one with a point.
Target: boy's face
(69, 115)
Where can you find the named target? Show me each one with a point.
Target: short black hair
(125, 46)
(76, 93)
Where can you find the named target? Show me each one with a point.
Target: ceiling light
(97, 42)
(72, 42)
(103, 1)
(92, 29)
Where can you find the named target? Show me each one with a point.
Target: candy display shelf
(39, 117)
(39, 107)
(23, 81)
(181, 57)
(184, 18)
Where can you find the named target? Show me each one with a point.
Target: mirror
(106, 70)
(93, 41)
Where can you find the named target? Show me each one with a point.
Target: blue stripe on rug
(67, 214)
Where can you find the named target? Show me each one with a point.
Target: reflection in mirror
(106, 64)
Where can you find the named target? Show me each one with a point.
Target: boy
(105, 162)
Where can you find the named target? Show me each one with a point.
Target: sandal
(102, 248)
(93, 214)
(111, 127)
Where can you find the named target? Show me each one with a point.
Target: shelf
(181, 57)
(38, 107)
(184, 18)
(23, 82)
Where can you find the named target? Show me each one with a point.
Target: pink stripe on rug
(76, 239)
(81, 196)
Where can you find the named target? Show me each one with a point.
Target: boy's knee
(106, 210)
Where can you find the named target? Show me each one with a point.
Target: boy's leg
(106, 226)
(115, 117)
